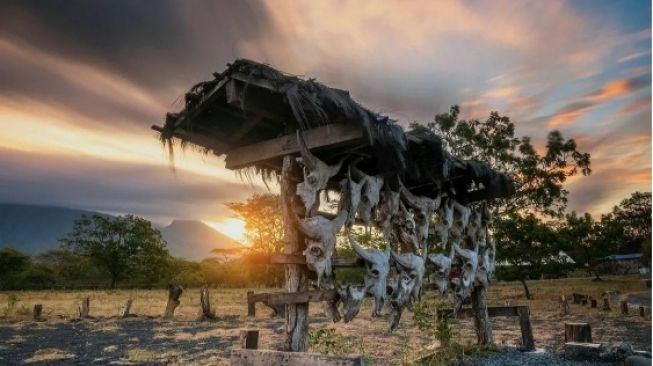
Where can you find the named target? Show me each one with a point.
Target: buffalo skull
(424, 208)
(351, 298)
(442, 270)
(316, 174)
(377, 263)
(370, 194)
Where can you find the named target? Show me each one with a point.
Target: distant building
(619, 264)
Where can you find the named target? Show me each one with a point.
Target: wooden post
(482, 322)
(249, 339)
(296, 277)
(578, 332)
(125, 308)
(642, 313)
(84, 305)
(174, 292)
(526, 331)
(593, 302)
(624, 307)
(205, 311)
(251, 305)
(578, 298)
(564, 305)
(606, 304)
(36, 315)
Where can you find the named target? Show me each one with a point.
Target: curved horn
(400, 260)
(461, 252)
(309, 159)
(308, 230)
(408, 196)
(340, 220)
(359, 249)
(334, 169)
(357, 173)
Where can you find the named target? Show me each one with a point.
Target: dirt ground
(149, 339)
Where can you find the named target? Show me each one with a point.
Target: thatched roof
(250, 112)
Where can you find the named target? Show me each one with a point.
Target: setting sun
(234, 228)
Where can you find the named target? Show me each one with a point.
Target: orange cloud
(500, 92)
(612, 89)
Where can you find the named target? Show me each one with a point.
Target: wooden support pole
(174, 292)
(84, 305)
(624, 307)
(38, 310)
(125, 308)
(296, 276)
(205, 305)
(578, 332)
(526, 330)
(642, 313)
(249, 339)
(482, 322)
(251, 304)
(564, 305)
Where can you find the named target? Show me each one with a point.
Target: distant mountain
(194, 239)
(33, 229)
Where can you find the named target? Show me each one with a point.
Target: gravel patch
(516, 358)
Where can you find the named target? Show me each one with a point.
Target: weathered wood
(624, 307)
(246, 357)
(593, 303)
(642, 312)
(218, 147)
(279, 298)
(205, 305)
(606, 304)
(482, 323)
(298, 259)
(84, 307)
(578, 332)
(251, 304)
(564, 305)
(37, 313)
(174, 292)
(249, 339)
(578, 298)
(528, 343)
(331, 134)
(582, 350)
(125, 308)
(296, 275)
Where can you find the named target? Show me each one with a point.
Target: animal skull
(414, 266)
(442, 270)
(321, 243)
(352, 192)
(469, 265)
(388, 209)
(351, 298)
(403, 226)
(316, 174)
(378, 266)
(401, 286)
(425, 208)
(370, 194)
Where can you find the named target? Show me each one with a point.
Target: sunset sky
(82, 81)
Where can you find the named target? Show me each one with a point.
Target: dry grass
(365, 335)
(49, 355)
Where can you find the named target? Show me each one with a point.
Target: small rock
(110, 349)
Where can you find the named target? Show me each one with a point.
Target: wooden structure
(37, 313)
(249, 339)
(251, 113)
(578, 332)
(84, 307)
(205, 305)
(124, 312)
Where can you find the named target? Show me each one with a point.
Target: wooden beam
(299, 259)
(322, 136)
(203, 103)
(198, 139)
(261, 83)
(285, 298)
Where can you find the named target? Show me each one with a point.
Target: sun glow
(234, 228)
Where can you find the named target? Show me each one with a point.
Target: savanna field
(150, 339)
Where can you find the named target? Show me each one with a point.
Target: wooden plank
(250, 357)
(198, 139)
(251, 304)
(528, 342)
(326, 135)
(299, 259)
(261, 83)
(201, 105)
(281, 298)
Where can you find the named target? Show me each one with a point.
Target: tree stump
(564, 305)
(482, 322)
(606, 304)
(526, 330)
(642, 312)
(593, 303)
(624, 307)
(36, 314)
(84, 305)
(251, 305)
(578, 332)
(174, 292)
(296, 276)
(205, 311)
(578, 298)
(125, 309)
(249, 339)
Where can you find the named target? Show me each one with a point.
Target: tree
(263, 221)
(634, 215)
(515, 232)
(539, 178)
(123, 246)
(13, 264)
